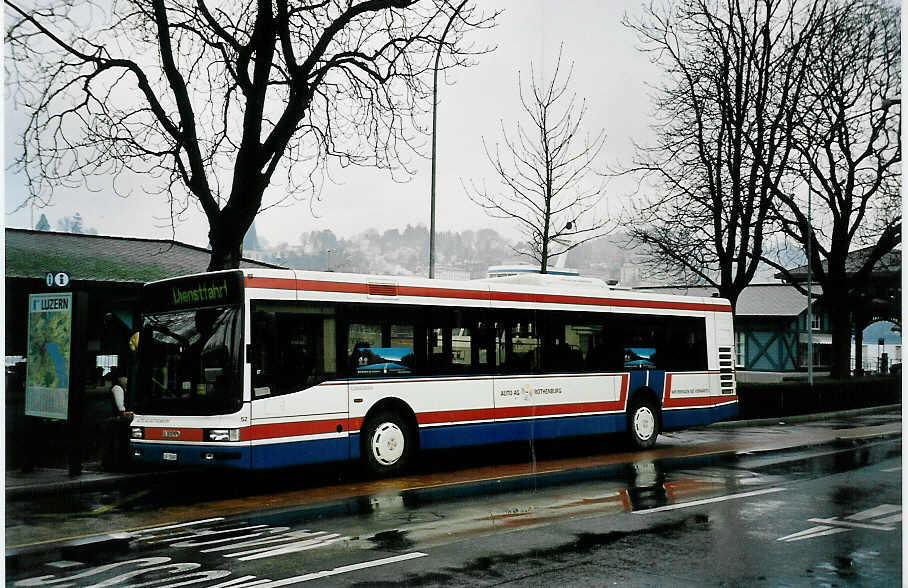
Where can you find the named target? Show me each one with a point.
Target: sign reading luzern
(49, 346)
(194, 292)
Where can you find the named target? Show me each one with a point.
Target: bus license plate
(170, 456)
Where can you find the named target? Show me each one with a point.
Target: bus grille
(382, 289)
(727, 370)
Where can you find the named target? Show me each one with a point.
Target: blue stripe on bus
(232, 456)
(689, 417)
(503, 432)
(278, 455)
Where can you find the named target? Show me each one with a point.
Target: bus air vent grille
(382, 289)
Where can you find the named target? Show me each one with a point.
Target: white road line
(178, 526)
(709, 500)
(344, 569)
(63, 564)
(877, 511)
(851, 525)
(812, 533)
(890, 470)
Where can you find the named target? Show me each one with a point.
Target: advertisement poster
(49, 347)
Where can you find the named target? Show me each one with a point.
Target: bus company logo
(528, 392)
(170, 434)
(202, 293)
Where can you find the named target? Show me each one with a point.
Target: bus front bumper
(168, 454)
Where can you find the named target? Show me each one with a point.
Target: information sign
(49, 346)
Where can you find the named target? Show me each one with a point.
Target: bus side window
(264, 353)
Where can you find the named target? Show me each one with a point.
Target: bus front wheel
(643, 423)
(387, 444)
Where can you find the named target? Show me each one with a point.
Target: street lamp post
(809, 285)
(434, 120)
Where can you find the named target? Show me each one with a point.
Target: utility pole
(434, 120)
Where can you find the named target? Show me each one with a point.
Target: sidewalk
(42, 481)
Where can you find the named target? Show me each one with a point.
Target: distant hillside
(461, 254)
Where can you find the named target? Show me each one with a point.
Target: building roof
(99, 258)
(756, 300)
(889, 266)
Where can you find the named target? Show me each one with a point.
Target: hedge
(797, 397)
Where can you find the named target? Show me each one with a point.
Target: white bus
(271, 368)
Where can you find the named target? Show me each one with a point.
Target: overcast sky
(609, 72)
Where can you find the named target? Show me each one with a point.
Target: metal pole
(434, 119)
(809, 284)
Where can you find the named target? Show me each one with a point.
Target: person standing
(118, 392)
(116, 454)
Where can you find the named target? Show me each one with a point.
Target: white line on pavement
(709, 500)
(344, 569)
(178, 526)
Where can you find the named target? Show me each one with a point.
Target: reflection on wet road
(739, 506)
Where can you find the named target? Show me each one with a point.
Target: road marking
(872, 513)
(812, 532)
(709, 500)
(345, 569)
(179, 525)
(885, 514)
(849, 524)
(64, 564)
(890, 470)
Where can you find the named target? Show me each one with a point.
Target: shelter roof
(100, 258)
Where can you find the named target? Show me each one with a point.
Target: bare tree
(543, 173)
(213, 102)
(735, 71)
(848, 140)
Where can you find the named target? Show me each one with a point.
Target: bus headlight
(138, 433)
(223, 434)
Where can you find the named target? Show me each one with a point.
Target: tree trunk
(840, 326)
(226, 246)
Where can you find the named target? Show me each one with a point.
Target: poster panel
(49, 347)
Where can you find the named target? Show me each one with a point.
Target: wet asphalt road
(823, 515)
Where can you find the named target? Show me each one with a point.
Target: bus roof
(516, 291)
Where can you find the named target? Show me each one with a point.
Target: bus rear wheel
(643, 423)
(387, 444)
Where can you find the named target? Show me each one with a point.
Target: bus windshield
(190, 362)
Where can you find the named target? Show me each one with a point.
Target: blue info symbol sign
(57, 279)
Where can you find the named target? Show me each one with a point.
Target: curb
(806, 418)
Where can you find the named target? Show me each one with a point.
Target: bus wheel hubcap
(388, 443)
(644, 422)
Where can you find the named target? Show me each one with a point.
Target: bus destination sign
(195, 292)
(213, 292)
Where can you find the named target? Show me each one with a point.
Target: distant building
(771, 332)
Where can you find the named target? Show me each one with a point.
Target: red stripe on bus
(447, 416)
(442, 293)
(428, 292)
(295, 429)
(559, 409)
